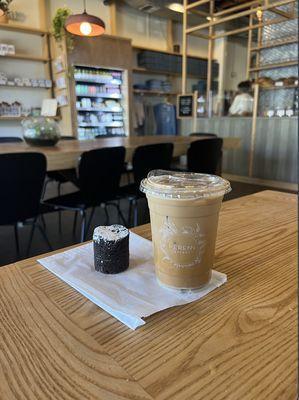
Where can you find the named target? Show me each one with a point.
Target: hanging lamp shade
(84, 25)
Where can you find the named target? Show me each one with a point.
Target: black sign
(185, 106)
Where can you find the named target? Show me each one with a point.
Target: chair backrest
(203, 134)
(149, 157)
(22, 178)
(205, 156)
(10, 139)
(67, 138)
(100, 172)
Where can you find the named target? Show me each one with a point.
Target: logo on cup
(182, 246)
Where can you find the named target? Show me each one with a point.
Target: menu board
(185, 105)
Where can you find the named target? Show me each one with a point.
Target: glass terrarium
(40, 131)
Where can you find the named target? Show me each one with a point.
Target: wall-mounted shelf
(26, 57)
(278, 87)
(26, 87)
(23, 29)
(7, 118)
(115, 82)
(101, 95)
(275, 44)
(167, 52)
(106, 109)
(154, 93)
(111, 124)
(273, 66)
(140, 70)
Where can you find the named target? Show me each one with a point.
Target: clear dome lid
(183, 185)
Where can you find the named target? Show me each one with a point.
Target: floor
(67, 238)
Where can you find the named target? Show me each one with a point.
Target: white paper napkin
(130, 295)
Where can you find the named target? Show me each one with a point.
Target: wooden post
(253, 129)
(249, 45)
(113, 17)
(184, 49)
(210, 59)
(169, 35)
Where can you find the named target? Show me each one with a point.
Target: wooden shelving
(140, 70)
(153, 93)
(168, 52)
(273, 66)
(7, 118)
(278, 87)
(26, 57)
(26, 87)
(23, 29)
(275, 44)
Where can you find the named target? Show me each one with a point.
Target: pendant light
(84, 24)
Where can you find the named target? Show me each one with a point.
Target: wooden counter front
(66, 153)
(238, 342)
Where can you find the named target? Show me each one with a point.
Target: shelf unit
(273, 66)
(46, 59)
(154, 93)
(26, 87)
(278, 87)
(26, 57)
(8, 118)
(91, 119)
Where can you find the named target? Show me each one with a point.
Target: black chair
(205, 156)
(22, 178)
(203, 134)
(99, 175)
(62, 176)
(145, 159)
(10, 139)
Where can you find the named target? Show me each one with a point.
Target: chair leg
(42, 218)
(135, 209)
(90, 219)
(83, 224)
(75, 222)
(59, 211)
(17, 240)
(30, 238)
(130, 211)
(45, 187)
(44, 235)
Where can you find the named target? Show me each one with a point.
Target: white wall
(235, 64)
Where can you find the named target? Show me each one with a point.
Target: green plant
(58, 30)
(4, 5)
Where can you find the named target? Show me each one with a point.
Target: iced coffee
(184, 209)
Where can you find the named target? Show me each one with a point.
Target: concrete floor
(67, 238)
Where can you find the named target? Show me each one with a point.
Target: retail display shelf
(101, 95)
(140, 70)
(112, 124)
(154, 93)
(26, 57)
(23, 29)
(106, 109)
(116, 82)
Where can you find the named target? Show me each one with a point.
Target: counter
(275, 150)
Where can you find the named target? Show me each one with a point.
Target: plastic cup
(184, 210)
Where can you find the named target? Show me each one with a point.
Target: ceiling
(159, 8)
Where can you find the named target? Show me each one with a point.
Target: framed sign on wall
(186, 105)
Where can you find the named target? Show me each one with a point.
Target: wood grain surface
(239, 342)
(66, 153)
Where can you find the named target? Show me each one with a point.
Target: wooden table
(66, 153)
(239, 342)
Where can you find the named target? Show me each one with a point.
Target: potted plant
(58, 30)
(4, 10)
